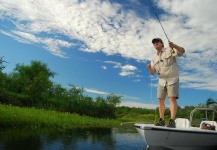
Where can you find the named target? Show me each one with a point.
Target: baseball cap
(157, 40)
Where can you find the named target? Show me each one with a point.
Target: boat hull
(192, 137)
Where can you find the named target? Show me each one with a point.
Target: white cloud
(137, 105)
(51, 44)
(130, 97)
(104, 67)
(100, 25)
(109, 28)
(126, 70)
(95, 91)
(113, 62)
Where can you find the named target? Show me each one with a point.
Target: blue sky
(104, 46)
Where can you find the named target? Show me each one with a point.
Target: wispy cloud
(138, 105)
(95, 91)
(104, 67)
(99, 92)
(100, 25)
(50, 44)
(125, 70)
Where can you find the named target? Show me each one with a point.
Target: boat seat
(182, 123)
(213, 123)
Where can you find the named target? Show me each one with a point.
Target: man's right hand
(150, 69)
(149, 66)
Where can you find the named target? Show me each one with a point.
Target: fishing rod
(158, 18)
(172, 50)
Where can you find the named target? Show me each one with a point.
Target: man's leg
(173, 107)
(161, 104)
(173, 94)
(161, 95)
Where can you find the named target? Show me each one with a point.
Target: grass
(12, 116)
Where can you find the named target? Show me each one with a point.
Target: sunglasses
(155, 41)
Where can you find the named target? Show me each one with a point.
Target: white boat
(183, 137)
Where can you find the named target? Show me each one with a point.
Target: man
(165, 64)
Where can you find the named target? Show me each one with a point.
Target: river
(120, 138)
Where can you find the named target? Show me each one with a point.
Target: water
(121, 138)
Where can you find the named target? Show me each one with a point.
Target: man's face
(157, 45)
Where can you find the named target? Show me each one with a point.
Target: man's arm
(179, 49)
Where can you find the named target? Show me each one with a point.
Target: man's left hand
(171, 45)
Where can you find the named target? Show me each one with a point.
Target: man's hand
(151, 70)
(149, 66)
(172, 45)
(179, 49)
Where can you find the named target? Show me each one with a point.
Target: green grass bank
(12, 116)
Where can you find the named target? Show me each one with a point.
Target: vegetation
(31, 86)
(30, 117)
(45, 103)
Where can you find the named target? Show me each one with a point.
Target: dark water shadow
(74, 139)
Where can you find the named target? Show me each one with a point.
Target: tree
(58, 91)
(75, 93)
(113, 99)
(3, 76)
(210, 102)
(1, 64)
(32, 80)
(102, 108)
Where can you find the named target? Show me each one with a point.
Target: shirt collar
(162, 50)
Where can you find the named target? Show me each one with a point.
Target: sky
(103, 46)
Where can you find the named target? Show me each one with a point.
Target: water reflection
(77, 139)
